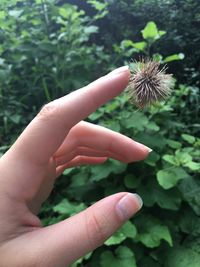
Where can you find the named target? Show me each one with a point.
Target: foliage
(150, 35)
(41, 44)
(167, 190)
(47, 49)
(179, 18)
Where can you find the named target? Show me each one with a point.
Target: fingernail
(145, 147)
(119, 70)
(129, 205)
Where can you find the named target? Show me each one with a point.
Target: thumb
(71, 239)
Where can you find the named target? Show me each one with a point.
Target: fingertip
(144, 151)
(128, 205)
(135, 151)
(122, 72)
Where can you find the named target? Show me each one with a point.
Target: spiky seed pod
(149, 83)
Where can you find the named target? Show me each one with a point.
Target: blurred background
(49, 48)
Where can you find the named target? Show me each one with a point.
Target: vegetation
(49, 48)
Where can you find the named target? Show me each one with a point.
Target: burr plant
(149, 83)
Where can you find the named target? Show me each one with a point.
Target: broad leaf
(189, 138)
(183, 257)
(103, 171)
(154, 234)
(140, 45)
(190, 189)
(171, 159)
(128, 230)
(123, 257)
(174, 57)
(168, 178)
(137, 121)
(152, 159)
(66, 207)
(150, 31)
(131, 181)
(152, 194)
(174, 144)
(194, 166)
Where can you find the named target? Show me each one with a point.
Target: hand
(55, 140)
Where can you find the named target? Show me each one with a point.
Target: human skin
(56, 139)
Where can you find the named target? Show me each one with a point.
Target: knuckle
(96, 229)
(48, 110)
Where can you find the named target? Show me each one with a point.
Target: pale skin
(56, 139)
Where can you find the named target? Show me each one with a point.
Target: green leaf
(97, 114)
(68, 171)
(137, 120)
(152, 194)
(46, 46)
(128, 230)
(152, 126)
(123, 257)
(155, 141)
(161, 33)
(65, 207)
(171, 159)
(16, 118)
(112, 124)
(79, 179)
(157, 57)
(168, 178)
(126, 44)
(174, 57)
(103, 171)
(63, 12)
(190, 189)
(189, 138)
(190, 223)
(116, 239)
(2, 15)
(91, 29)
(174, 144)
(152, 159)
(155, 233)
(140, 45)
(15, 13)
(183, 157)
(97, 4)
(150, 31)
(194, 166)
(108, 259)
(131, 181)
(77, 263)
(182, 257)
(170, 200)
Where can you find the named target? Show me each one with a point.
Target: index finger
(48, 129)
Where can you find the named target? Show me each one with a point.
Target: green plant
(180, 19)
(44, 53)
(48, 49)
(165, 180)
(150, 35)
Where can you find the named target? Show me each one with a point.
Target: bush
(166, 181)
(179, 18)
(47, 50)
(44, 54)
